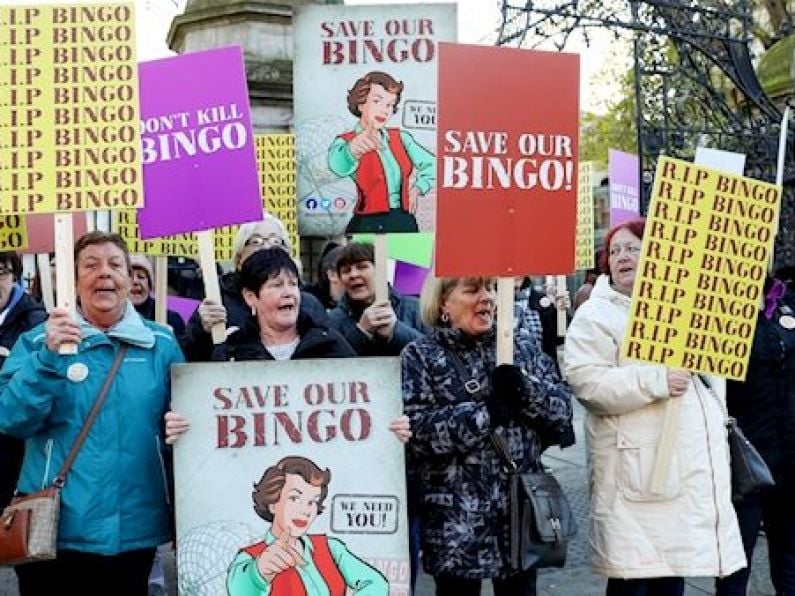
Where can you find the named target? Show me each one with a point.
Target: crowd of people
(458, 402)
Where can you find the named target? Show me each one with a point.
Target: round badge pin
(77, 372)
(545, 302)
(4, 351)
(787, 321)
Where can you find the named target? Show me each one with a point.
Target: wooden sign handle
(45, 280)
(505, 290)
(212, 289)
(65, 269)
(161, 290)
(381, 285)
(560, 290)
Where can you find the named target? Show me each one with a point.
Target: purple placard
(199, 163)
(409, 278)
(184, 307)
(624, 186)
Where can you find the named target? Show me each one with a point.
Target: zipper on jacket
(162, 469)
(48, 455)
(712, 473)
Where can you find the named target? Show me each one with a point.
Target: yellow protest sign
(702, 268)
(583, 249)
(125, 223)
(13, 233)
(277, 174)
(69, 138)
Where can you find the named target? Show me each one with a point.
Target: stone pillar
(264, 29)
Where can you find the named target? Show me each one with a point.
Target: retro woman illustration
(390, 169)
(290, 562)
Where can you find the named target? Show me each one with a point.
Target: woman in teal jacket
(114, 502)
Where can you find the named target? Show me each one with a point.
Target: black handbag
(541, 520)
(751, 476)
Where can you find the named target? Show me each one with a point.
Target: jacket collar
(603, 290)
(458, 340)
(129, 329)
(355, 309)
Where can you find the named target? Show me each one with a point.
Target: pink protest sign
(197, 146)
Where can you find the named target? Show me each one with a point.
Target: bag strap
(60, 478)
(727, 420)
(475, 389)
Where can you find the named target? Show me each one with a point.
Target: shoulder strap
(474, 388)
(60, 479)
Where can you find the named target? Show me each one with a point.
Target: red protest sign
(507, 168)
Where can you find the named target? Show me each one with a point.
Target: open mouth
(484, 314)
(626, 270)
(286, 308)
(380, 119)
(300, 523)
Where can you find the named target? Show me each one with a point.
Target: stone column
(264, 29)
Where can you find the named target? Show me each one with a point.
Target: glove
(507, 383)
(506, 399)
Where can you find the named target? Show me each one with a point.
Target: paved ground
(576, 578)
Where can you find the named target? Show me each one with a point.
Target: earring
(253, 312)
(445, 318)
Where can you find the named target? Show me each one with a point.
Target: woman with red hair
(646, 542)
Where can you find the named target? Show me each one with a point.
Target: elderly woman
(234, 312)
(113, 505)
(465, 523)
(645, 542)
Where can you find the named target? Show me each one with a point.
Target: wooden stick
(505, 290)
(45, 280)
(666, 445)
(381, 286)
(560, 289)
(65, 269)
(161, 290)
(211, 288)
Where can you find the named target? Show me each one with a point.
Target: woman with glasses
(18, 313)
(646, 542)
(233, 311)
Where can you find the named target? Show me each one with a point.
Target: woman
(465, 523)
(646, 543)
(291, 495)
(142, 285)
(233, 312)
(113, 505)
(18, 313)
(276, 329)
(764, 407)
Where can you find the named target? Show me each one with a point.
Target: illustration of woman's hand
(368, 140)
(402, 428)
(279, 556)
(414, 199)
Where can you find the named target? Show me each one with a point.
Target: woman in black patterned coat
(464, 490)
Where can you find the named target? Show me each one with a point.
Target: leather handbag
(751, 476)
(541, 520)
(29, 525)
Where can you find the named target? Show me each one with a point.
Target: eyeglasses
(630, 249)
(4, 273)
(257, 241)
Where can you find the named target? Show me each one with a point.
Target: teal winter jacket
(115, 497)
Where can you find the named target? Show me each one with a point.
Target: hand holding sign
(279, 556)
(61, 329)
(368, 140)
(678, 380)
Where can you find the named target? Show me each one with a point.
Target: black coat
(147, 311)
(197, 344)
(316, 341)
(24, 315)
(764, 405)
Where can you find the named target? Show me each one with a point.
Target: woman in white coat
(647, 543)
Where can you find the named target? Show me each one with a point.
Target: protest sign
(41, 234)
(69, 132)
(699, 281)
(199, 165)
(13, 233)
(624, 186)
(584, 249)
(364, 79)
(276, 165)
(247, 417)
(508, 161)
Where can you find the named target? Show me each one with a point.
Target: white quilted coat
(691, 528)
